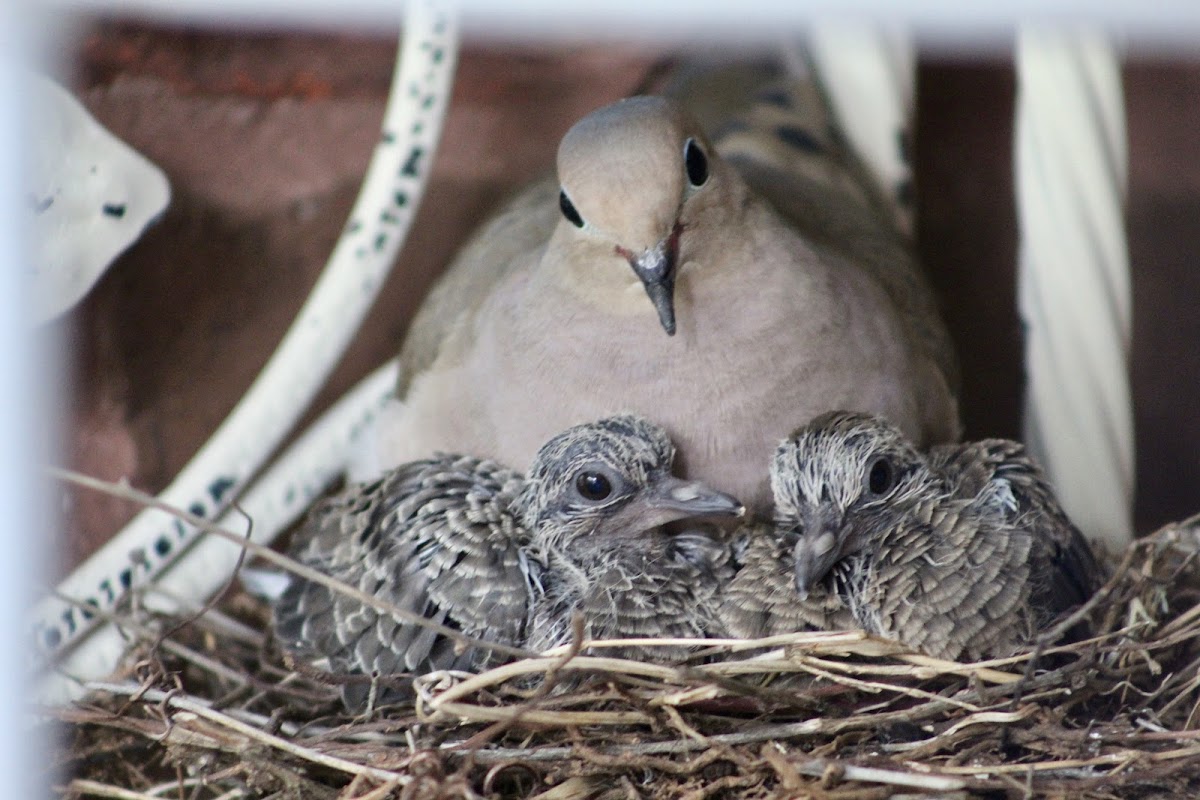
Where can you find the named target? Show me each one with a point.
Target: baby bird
(439, 538)
(595, 506)
(1005, 480)
(964, 553)
(478, 548)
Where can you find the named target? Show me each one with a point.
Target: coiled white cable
(377, 228)
(274, 501)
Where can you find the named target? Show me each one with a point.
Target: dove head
(607, 480)
(630, 174)
(836, 483)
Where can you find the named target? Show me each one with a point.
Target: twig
(522, 711)
(211, 602)
(203, 661)
(857, 642)
(1073, 763)
(981, 670)
(875, 686)
(812, 767)
(555, 719)
(224, 720)
(379, 792)
(97, 789)
(533, 666)
(291, 565)
(233, 794)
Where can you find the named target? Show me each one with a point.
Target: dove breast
(652, 278)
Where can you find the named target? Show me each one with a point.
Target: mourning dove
(724, 288)
(964, 553)
(470, 545)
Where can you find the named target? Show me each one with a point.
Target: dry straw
(206, 707)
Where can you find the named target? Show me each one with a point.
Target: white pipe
(1073, 282)
(377, 227)
(868, 72)
(274, 502)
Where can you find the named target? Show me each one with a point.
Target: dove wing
(436, 538)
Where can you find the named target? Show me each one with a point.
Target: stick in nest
(267, 554)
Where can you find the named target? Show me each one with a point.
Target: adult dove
(961, 553)
(724, 288)
(468, 544)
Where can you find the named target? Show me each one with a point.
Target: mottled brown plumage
(476, 547)
(438, 538)
(960, 554)
(761, 600)
(1000, 475)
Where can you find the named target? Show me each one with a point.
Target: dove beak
(672, 498)
(817, 550)
(655, 267)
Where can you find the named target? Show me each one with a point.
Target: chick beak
(815, 554)
(655, 267)
(670, 498)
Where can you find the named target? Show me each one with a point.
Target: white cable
(376, 229)
(272, 503)
(868, 72)
(1073, 284)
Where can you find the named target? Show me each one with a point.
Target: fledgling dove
(468, 544)
(609, 558)
(964, 553)
(723, 287)
(440, 538)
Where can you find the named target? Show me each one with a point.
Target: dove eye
(593, 486)
(696, 162)
(568, 210)
(881, 477)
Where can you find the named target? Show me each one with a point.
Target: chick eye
(593, 486)
(881, 477)
(568, 210)
(696, 162)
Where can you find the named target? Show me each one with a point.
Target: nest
(207, 707)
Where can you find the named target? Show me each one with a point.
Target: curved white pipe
(1073, 283)
(377, 227)
(275, 500)
(868, 73)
